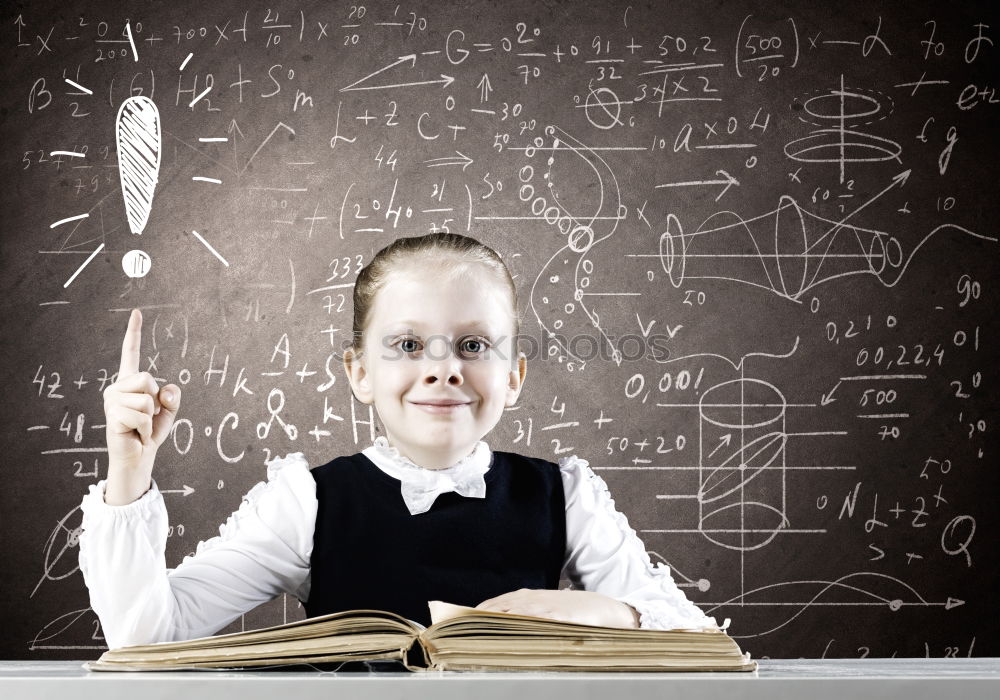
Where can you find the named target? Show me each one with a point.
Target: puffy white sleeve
(604, 554)
(262, 550)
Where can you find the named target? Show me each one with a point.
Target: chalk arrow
(234, 130)
(828, 397)
(187, 490)
(484, 88)
(446, 80)
(729, 181)
(897, 181)
(462, 160)
(723, 442)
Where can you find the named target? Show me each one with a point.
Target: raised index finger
(130, 346)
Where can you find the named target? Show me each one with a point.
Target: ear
(357, 375)
(515, 379)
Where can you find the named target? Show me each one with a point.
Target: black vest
(369, 552)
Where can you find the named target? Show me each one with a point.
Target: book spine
(416, 657)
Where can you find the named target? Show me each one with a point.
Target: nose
(442, 365)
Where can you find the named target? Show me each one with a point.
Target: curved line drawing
(742, 441)
(743, 359)
(827, 586)
(658, 560)
(72, 540)
(793, 250)
(742, 489)
(771, 444)
(756, 509)
(830, 145)
(59, 625)
(584, 232)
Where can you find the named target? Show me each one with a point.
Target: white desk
(795, 679)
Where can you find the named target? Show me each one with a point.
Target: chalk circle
(886, 249)
(742, 404)
(842, 106)
(743, 526)
(791, 245)
(136, 263)
(612, 99)
(565, 224)
(581, 238)
(668, 255)
(842, 146)
(876, 251)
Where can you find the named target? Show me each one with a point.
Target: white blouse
(263, 550)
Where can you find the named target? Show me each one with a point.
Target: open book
(460, 639)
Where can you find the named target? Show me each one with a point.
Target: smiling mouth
(443, 408)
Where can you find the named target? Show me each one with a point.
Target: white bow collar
(420, 487)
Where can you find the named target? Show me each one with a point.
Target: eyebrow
(411, 325)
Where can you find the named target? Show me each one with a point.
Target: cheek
(392, 385)
(496, 382)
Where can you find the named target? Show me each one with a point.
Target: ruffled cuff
(93, 501)
(661, 615)
(662, 604)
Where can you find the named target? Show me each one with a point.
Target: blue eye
(480, 345)
(478, 342)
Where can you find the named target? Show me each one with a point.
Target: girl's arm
(604, 555)
(261, 551)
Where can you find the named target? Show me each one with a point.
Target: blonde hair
(448, 254)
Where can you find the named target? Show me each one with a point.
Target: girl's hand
(581, 607)
(138, 417)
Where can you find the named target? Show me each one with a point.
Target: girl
(428, 512)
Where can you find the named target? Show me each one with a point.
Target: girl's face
(432, 340)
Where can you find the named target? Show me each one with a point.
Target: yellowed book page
(342, 623)
(368, 643)
(441, 611)
(708, 648)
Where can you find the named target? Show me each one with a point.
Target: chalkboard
(755, 248)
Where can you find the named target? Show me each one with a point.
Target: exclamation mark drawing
(137, 134)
